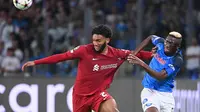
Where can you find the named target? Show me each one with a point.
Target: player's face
(171, 45)
(99, 42)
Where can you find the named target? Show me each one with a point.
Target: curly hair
(103, 30)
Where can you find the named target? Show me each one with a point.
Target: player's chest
(161, 60)
(102, 63)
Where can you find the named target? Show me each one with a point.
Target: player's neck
(105, 51)
(170, 54)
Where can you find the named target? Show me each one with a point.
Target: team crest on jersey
(72, 51)
(96, 67)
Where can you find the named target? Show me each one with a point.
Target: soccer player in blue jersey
(160, 73)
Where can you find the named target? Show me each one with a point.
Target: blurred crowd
(54, 26)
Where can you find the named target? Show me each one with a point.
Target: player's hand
(27, 64)
(134, 59)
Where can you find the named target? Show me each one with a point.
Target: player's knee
(109, 109)
(112, 109)
(152, 109)
(116, 110)
(109, 106)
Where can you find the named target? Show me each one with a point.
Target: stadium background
(55, 26)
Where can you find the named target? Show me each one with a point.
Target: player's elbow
(150, 37)
(147, 40)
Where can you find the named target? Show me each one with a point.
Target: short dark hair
(103, 30)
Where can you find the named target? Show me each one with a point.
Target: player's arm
(75, 53)
(168, 70)
(152, 38)
(144, 55)
(157, 75)
(69, 55)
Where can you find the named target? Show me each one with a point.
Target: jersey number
(104, 95)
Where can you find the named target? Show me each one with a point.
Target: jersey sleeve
(76, 53)
(144, 55)
(123, 53)
(173, 68)
(155, 40)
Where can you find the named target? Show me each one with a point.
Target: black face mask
(102, 48)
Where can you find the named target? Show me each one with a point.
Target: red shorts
(91, 102)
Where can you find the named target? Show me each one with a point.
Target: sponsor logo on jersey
(103, 67)
(159, 59)
(96, 67)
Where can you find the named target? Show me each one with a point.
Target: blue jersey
(159, 62)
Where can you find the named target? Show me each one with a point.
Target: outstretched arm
(144, 55)
(47, 60)
(53, 59)
(158, 75)
(168, 70)
(77, 52)
(143, 44)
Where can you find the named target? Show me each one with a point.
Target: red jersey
(95, 70)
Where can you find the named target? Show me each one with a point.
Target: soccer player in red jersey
(98, 63)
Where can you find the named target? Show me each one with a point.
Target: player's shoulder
(116, 50)
(119, 53)
(85, 46)
(160, 46)
(112, 48)
(156, 39)
(178, 59)
(80, 48)
(89, 47)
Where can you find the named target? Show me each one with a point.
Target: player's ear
(107, 40)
